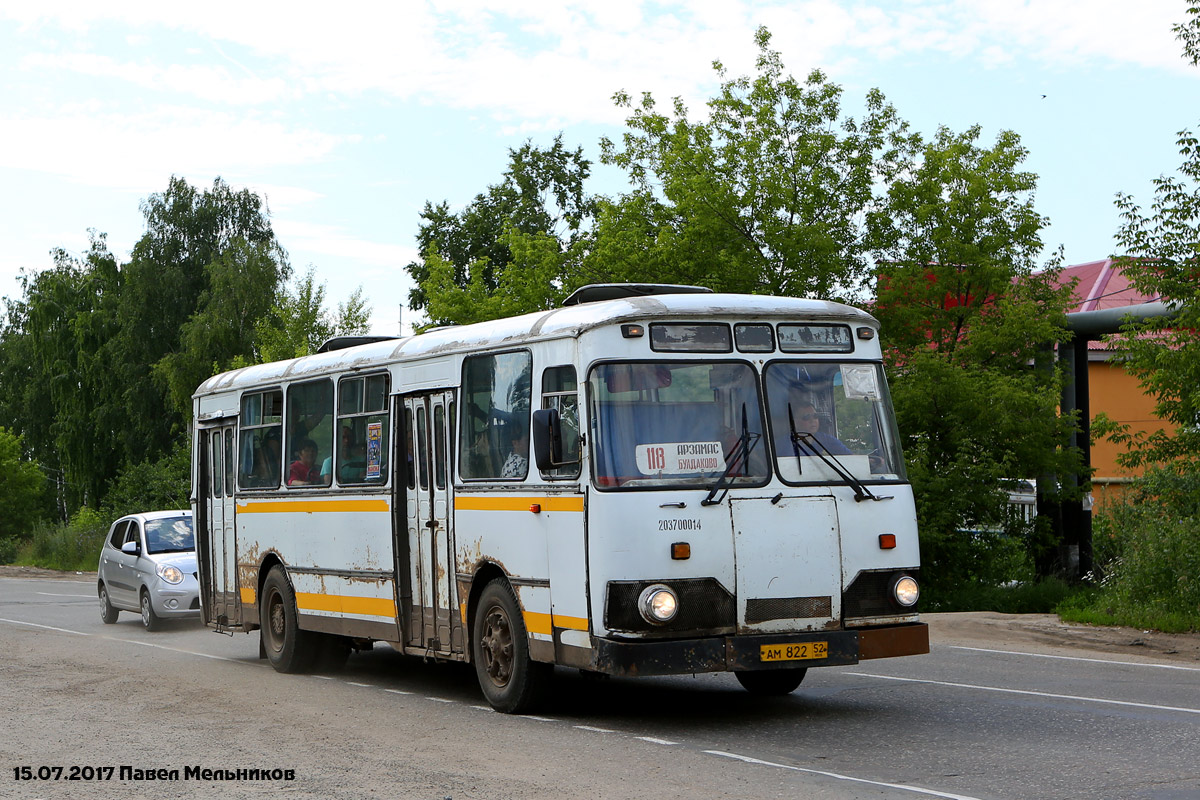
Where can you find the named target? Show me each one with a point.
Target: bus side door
(217, 545)
(434, 623)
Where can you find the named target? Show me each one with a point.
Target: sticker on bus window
(374, 449)
(680, 458)
(859, 382)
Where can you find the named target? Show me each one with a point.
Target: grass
(72, 547)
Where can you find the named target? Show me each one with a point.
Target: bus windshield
(823, 411)
(677, 423)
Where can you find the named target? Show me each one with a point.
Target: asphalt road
(993, 712)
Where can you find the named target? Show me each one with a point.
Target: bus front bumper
(737, 653)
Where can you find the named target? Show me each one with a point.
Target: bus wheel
(771, 682)
(511, 681)
(288, 648)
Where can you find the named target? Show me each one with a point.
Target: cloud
(95, 146)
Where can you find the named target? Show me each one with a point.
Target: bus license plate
(794, 652)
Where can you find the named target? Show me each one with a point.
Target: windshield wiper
(814, 445)
(740, 456)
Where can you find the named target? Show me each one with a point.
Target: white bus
(649, 480)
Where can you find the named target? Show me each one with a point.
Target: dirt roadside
(1043, 633)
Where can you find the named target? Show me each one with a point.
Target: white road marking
(54, 594)
(45, 627)
(172, 649)
(840, 777)
(440, 700)
(593, 729)
(1079, 658)
(653, 740)
(364, 685)
(397, 691)
(1029, 692)
(481, 708)
(538, 719)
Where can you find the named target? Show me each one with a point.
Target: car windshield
(676, 424)
(824, 411)
(169, 535)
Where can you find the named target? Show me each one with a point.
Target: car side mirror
(547, 439)
(132, 548)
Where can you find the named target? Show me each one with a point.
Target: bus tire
(511, 681)
(288, 648)
(772, 682)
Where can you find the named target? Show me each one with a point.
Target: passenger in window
(304, 471)
(270, 457)
(517, 463)
(346, 448)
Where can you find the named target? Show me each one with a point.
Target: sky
(348, 117)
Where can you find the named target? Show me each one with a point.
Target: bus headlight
(658, 604)
(905, 591)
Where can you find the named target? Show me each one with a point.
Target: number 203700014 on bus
(794, 652)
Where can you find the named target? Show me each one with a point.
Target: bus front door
(434, 624)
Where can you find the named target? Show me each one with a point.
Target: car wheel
(108, 614)
(150, 620)
(288, 648)
(511, 681)
(771, 682)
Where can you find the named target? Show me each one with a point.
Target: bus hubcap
(497, 646)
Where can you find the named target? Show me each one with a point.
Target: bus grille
(704, 607)
(868, 595)
(769, 608)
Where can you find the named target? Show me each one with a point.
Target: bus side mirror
(547, 439)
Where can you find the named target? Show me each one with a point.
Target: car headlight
(905, 591)
(169, 574)
(658, 604)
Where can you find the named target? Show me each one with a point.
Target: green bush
(10, 546)
(161, 485)
(1147, 562)
(74, 546)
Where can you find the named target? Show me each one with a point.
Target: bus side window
(363, 428)
(494, 434)
(261, 447)
(560, 390)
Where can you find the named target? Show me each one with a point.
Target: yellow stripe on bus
(345, 604)
(476, 503)
(536, 622)
(310, 506)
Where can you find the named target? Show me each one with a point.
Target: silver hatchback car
(148, 566)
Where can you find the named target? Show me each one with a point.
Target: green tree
(298, 324)
(539, 209)
(192, 236)
(769, 195)
(22, 489)
(242, 285)
(57, 351)
(964, 316)
(1162, 259)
